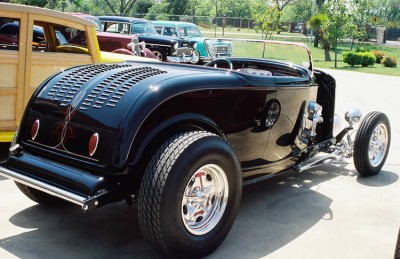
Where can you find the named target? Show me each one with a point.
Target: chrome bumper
(193, 58)
(87, 202)
(84, 202)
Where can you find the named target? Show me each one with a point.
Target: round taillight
(35, 129)
(94, 140)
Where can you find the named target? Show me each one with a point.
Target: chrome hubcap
(378, 145)
(204, 199)
(157, 55)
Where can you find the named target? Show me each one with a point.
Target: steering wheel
(215, 63)
(40, 44)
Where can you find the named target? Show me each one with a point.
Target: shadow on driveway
(272, 214)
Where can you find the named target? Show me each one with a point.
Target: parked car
(208, 50)
(181, 140)
(34, 44)
(115, 42)
(164, 48)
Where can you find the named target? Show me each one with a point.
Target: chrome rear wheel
(204, 199)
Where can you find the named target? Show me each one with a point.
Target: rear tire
(372, 143)
(39, 196)
(190, 195)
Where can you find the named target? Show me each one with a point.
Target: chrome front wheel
(378, 144)
(372, 143)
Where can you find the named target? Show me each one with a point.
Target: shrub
(379, 55)
(389, 61)
(368, 59)
(352, 58)
(362, 49)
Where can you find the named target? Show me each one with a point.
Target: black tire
(159, 54)
(163, 204)
(375, 126)
(40, 197)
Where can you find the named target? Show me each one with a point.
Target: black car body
(181, 139)
(165, 48)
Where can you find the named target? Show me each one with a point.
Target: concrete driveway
(325, 212)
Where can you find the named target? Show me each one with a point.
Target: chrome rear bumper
(87, 203)
(46, 177)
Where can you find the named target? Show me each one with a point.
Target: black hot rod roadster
(181, 140)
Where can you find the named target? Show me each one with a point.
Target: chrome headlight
(195, 45)
(176, 45)
(353, 116)
(130, 45)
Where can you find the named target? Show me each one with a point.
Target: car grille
(184, 51)
(221, 50)
(73, 90)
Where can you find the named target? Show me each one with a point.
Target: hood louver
(76, 88)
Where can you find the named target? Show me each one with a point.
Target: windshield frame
(306, 63)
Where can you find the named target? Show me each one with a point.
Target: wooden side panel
(46, 64)
(22, 70)
(12, 74)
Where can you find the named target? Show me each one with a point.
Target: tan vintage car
(34, 44)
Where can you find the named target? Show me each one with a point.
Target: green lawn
(317, 53)
(319, 61)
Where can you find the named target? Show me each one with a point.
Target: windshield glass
(96, 21)
(296, 53)
(189, 31)
(143, 27)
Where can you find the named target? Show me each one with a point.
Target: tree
(319, 10)
(279, 5)
(362, 12)
(316, 22)
(121, 7)
(143, 6)
(298, 11)
(39, 3)
(158, 12)
(388, 10)
(332, 26)
(352, 31)
(267, 21)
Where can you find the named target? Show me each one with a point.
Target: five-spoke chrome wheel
(378, 145)
(204, 199)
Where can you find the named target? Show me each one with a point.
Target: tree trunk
(52, 4)
(326, 47)
(316, 38)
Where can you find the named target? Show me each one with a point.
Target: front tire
(372, 144)
(159, 54)
(190, 195)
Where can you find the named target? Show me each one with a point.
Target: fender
(170, 127)
(152, 100)
(123, 51)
